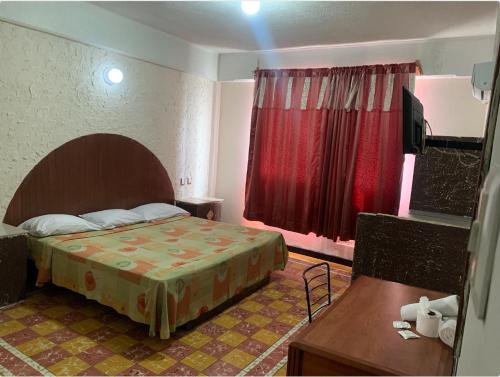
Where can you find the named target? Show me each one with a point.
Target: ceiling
(221, 25)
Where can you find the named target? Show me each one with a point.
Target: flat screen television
(413, 124)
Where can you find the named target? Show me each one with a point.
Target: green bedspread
(163, 273)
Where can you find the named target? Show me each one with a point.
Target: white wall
(481, 339)
(52, 90)
(454, 56)
(93, 25)
(448, 105)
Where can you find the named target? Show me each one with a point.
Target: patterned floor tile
(95, 354)
(178, 350)
(263, 300)
(32, 319)
(269, 312)
(70, 366)
(239, 313)
(57, 311)
(120, 343)
(238, 358)
(196, 339)
(137, 370)
(280, 305)
(19, 312)
(212, 329)
(156, 343)
(180, 369)
(4, 317)
(289, 319)
(281, 371)
(9, 327)
(221, 368)
(199, 360)
(246, 328)
(114, 365)
(232, 338)
(157, 363)
(259, 320)
(47, 327)
(251, 306)
(78, 345)
(279, 327)
(138, 352)
(138, 333)
(216, 348)
(20, 336)
(262, 369)
(62, 335)
(226, 321)
(20, 368)
(72, 317)
(253, 347)
(266, 337)
(90, 372)
(102, 334)
(60, 332)
(86, 326)
(35, 346)
(51, 356)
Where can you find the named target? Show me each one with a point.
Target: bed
(163, 273)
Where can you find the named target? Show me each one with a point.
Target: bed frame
(97, 172)
(91, 173)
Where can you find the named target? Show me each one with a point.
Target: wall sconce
(113, 76)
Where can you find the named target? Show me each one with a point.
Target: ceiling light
(250, 7)
(113, 76)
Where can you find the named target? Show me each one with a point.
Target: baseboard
(318, 255)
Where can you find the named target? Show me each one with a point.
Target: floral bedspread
(163, 273)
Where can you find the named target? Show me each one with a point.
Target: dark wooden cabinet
(13, 264)
(206, 208)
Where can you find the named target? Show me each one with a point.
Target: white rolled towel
(447, 306)
(447, 331)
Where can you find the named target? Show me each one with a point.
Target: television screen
(413, 124)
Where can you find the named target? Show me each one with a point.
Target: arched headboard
(91, 173)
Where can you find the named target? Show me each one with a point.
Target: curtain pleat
(326, 144)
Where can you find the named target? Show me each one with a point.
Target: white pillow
(50, 225)
(155, 211)
(111, 218)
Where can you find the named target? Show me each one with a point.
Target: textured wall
(445, 179)
(429, 254)
(51, 91)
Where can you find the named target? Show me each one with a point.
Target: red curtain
(325, 144)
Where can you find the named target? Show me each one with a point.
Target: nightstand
(206, 208)
(13, 264)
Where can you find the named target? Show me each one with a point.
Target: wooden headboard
(91, 173)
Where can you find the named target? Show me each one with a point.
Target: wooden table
(206, 208)
(355, 336)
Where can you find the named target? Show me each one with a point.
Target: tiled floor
(59, 332)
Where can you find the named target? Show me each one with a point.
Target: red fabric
(324, 156)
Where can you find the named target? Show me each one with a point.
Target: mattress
(163, 273)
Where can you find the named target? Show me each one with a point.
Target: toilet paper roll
(447, 330)
(447, 306)
(428, 323)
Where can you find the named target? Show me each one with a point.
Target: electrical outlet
(188, 180)
(182, 181)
